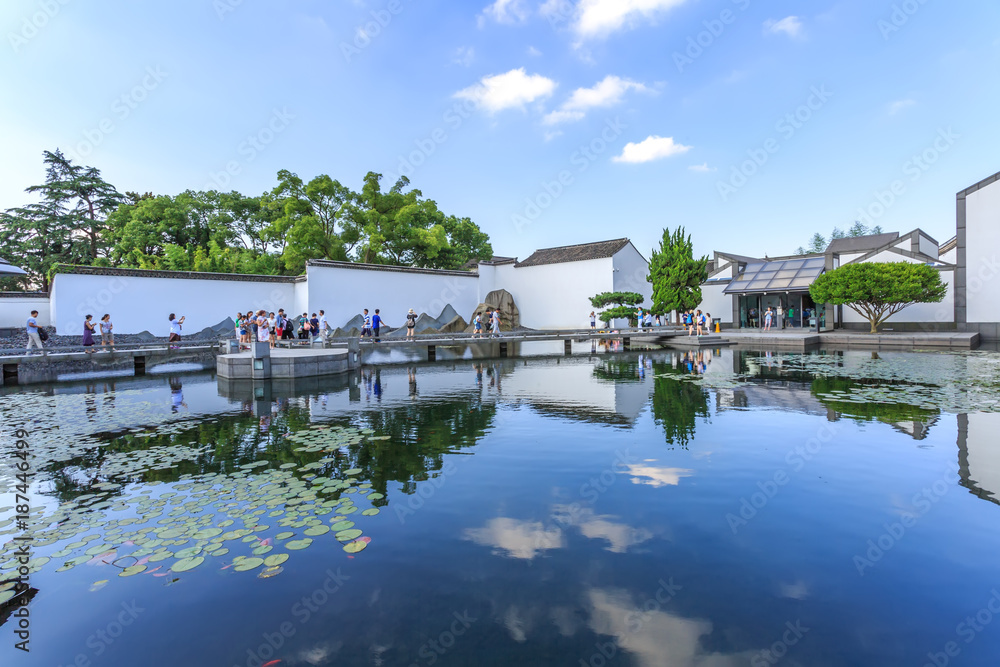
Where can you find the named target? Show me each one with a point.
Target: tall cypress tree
(675, 274)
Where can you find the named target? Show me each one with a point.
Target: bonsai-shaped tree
(877, 290)
(623, 305)
(675, 274)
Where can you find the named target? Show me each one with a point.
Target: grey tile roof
(574, 253)
(386, 267)
(194, 275)
(861, 243)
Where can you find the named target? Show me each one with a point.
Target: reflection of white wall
(143, 303)
(984, 452)
(982, 241)
(15, 311)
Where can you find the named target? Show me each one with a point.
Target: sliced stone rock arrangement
(503, 301)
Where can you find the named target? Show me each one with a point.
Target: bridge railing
(98, 349)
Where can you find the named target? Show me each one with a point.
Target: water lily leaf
(295, 545)
(187, 564)
(355, 547)
(248, 564)
(275, 559)
(346, 535)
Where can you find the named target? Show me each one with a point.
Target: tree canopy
(675, 274)
(818, 243)
(81, 219)
(877, 290)
(623, 305)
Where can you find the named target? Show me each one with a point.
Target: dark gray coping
(389, 268)
(24, 295)
(190, 275)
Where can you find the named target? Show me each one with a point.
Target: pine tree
(675, 274)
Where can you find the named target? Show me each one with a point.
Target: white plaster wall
(920, 312)
(632, 274)
(344, 292)
(15, 311)
(487, 282)
(984, 451)
(556, 296)
(143, 304)
(982, 252)
(949, 257)
(713, 301)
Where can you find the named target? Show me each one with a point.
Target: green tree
(308, 219)
(877, 290)
(675, 274)
(817, 243)
(37, 238)
(400, 227)
(622, 306)
(82, 195)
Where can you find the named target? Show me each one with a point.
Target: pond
(710, 509)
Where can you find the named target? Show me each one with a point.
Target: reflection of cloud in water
(642, 473)
(798, 590)
(621, 536)
(656, 638)
(517, 539)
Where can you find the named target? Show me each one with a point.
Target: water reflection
(556, 499)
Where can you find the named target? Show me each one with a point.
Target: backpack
(43, 335)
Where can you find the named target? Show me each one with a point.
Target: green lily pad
(346, 535)
(355, 547)
(371, 511)
(248, 564)
(132, 570)
(316, 531)
(295, 545)
(187, 564)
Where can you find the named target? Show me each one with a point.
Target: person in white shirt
(324, 326)
(175, 328)
(32, 329)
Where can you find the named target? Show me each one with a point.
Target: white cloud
(464, 55)
(651, 148)
(508, 12)
(701, 168)
(533, 52)
(516, 539)
(657, 476)
(605, 93)
(899, 105)
(600, 18)
(790, 25)
(512, 89)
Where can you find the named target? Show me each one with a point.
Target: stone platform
(284, 363)
(846, 340)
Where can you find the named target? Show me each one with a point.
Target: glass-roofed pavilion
(781, 285)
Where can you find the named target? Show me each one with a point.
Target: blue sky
(548, 122)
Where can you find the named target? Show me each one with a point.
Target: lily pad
(295, 545)
(346, 535)
(248, 564)
(355, 546)
(187, 564)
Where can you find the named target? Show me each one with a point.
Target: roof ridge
(577, 245)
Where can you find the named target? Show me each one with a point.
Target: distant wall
(141, 300)
(15, 309)
(556, 296)
(982, 252)
(935, 314)
(717, 304)
(344, 290)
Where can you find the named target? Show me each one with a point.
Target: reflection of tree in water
(419, 437)
(677, 404)
(892, 413)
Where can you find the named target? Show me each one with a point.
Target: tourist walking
(768, 315)
(34, 337)
(593, 320)
(304, 327)
(478, 323)
(324, 326)
(175, 330)
(107, 332)
(88, 332)
(411, 323)
(496, 324)
(791, 316)
(638, 318)
(314, 328)
(240, 331)
(699, 322)
(689, 322)
(376, 325)
(263, 328)
(366, 325)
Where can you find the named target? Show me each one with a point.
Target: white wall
(920, 312)
(928, 247)
(631, 271)
(143, 304)
(984, 451)
(344, 292)
(715, 302)
(15, 311)
(982, 251)
(556, 296)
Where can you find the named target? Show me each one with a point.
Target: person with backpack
(34, 333)
(478, 322)
(303, 328)
(411, 323)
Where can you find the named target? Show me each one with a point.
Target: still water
(697, 509)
